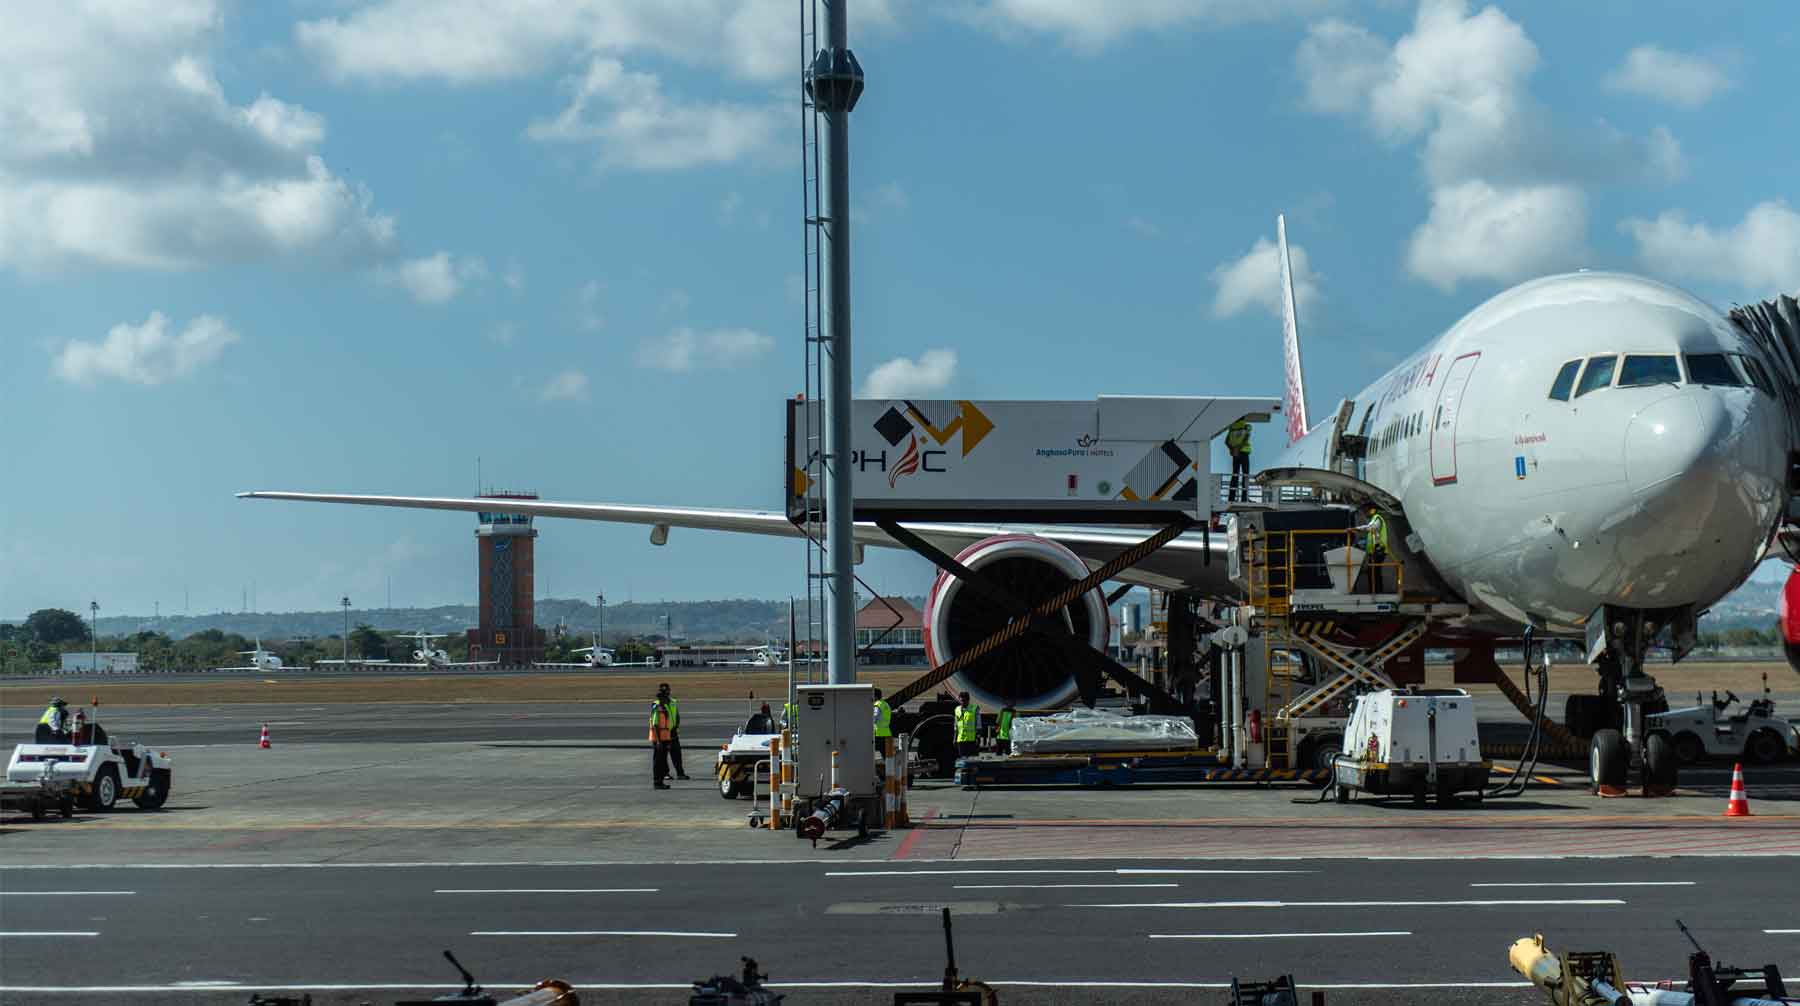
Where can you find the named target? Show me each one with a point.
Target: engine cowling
(1787, 610)
(1030, 672)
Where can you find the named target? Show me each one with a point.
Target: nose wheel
(1633, 747)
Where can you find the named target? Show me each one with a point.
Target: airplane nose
(1668, 438)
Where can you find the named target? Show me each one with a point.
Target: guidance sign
(1118, 458)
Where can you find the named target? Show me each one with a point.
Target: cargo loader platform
(1121, 768)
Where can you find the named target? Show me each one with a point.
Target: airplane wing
(1192, 561)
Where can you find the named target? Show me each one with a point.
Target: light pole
(94, 636)
(600, 603)
(346, 604)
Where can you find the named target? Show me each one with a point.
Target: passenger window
(1598, 374)
(1642, 371)
(1565, 381)
(1712, 368)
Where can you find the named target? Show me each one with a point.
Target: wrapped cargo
(1081, 729)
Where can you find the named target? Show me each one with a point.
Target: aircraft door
(1443, 425)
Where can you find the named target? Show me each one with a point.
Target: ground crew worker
(54, 723)
(968, 727)
(1237, 442)
(761, 722)
(661, 727)
(1003, 731)
(790, 716)
(1375, 547)
(674, 731)
(884, 719)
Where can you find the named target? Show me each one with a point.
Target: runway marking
(1590, 883)
(1002, 887)
(1118, 872)
(601, 932)
(49, 933)
(547, 890)
(688, 986)
(1350, 904)
(59, 894)
(1272, 936)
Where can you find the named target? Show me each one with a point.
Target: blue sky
(354, 246)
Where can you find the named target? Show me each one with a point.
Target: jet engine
(1032, 671)
(1788, 618)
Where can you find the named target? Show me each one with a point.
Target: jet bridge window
(1643, 371)
(1712, 368)
(1599, 374)
(1565, 381)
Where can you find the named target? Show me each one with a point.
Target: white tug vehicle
(1753, 734)
(92, 767)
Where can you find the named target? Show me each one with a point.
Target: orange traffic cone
(263, 741)
(1739, 805)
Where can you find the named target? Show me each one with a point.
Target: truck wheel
(1763, 747)
(1608, 759)
(728, 787)
(1323, 749)
(1446, 797)
(106, 789)
(157, 792)
(37, 810)
(1662, 764)
(1689, 749)
(1419, 793)
(66, 807)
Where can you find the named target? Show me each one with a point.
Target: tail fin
(1293, 399)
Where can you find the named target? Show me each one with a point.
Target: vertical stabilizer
(1293, 399)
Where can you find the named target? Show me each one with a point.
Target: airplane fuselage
(1576, 441)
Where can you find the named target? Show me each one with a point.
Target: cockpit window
(1599, 374)
(1642, 371)
(1712, 368)
(1565, 381)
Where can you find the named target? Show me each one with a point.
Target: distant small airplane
(260, 660)
(430, 656)
(598, 656)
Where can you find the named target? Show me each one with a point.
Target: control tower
(504, 548)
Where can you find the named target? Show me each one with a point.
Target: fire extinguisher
(1255, 726)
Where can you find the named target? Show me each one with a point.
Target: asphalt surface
(712, 720)
(371, 931)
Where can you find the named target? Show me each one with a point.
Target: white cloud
(892, 196)
(145, 354)
(1759, 254)
(900, 377)
(1476, 231)
(475, 41)
(514, 277)
(1255, 280)
(729, 206)
(434, 279)
(1499, 168)
(634, 124)
(122, 149)
(567, 386)
(684, 349)
(504, 333)
(1092, 24)
(1677, 78)
(588, 314)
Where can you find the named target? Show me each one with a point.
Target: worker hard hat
(878, 693)
(663, 687)
(57, 700)
(964, 696)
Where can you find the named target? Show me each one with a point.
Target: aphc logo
(905, 421)
(1086, 440)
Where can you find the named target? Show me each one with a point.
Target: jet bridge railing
(1283, 563)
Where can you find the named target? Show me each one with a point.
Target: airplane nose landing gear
(1617, 641)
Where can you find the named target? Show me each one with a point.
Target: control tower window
(1565, 381)
(1712, 368)
(1643, 371)
(1599, 374)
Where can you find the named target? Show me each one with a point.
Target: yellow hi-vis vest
(674, 715)
(1376, 538)
(51, 719)
(884, 716)
(790, 714)
(660, 726)
(968, 723)
(1004, 730)
(1237, 438)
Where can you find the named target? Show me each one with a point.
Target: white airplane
(426, 655)
(599, 656)
(1593, 455)
(260, 660)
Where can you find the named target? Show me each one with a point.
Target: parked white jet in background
(260, 660)
(1594, 455)
(426, 655)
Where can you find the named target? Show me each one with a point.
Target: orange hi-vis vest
(662, 724)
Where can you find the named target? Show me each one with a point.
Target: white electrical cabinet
(837, 718)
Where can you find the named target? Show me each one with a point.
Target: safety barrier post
(775, 761)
